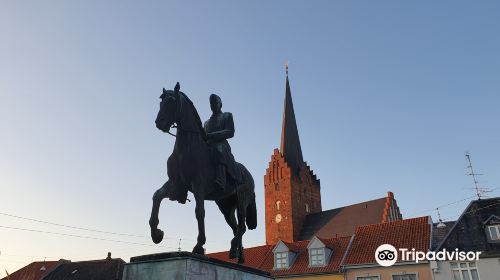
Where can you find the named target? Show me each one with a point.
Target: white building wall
(489, 269)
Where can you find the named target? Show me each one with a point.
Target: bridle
(178, 112)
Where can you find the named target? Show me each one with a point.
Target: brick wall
(289, 197)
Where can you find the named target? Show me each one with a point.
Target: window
(411, 276)
(464, 271)
(281, 260)
(367, 278)
(278, 205)
(317, 256)
(307, 208)
(494, 232)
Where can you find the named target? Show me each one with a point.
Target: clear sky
(388, 96)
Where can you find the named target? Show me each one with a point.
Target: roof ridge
(347, 206)
(307, 241)
(100, 260)
(393, 222)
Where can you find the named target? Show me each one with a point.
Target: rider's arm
(226, 133)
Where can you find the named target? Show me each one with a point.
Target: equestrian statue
(202, 163)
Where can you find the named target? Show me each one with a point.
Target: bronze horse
(190, 168)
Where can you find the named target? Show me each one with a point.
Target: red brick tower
(291, 189)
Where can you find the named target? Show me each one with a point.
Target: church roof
(290, 142)
(343, 221)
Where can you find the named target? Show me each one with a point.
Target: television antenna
(479, 190)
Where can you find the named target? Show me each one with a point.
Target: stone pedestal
(187, 266)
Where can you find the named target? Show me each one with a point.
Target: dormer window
(492, 228)
(281, 260)
(494, 231)
(283, 257)
(319, 254)
(317, 257)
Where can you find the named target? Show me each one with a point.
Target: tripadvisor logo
(387, 255)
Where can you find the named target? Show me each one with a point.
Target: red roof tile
(33, 271)
(409, 233)
(254, 257)
(262, 257)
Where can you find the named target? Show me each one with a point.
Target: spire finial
(286, 67)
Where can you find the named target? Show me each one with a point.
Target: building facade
(476, 230)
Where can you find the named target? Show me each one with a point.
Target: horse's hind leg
(159, 195)
(228, 207)
(242, 214)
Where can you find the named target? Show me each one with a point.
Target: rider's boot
(220, 177)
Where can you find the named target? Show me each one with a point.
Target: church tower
(291, 189)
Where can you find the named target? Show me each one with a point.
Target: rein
(182, 129)
(179, 112)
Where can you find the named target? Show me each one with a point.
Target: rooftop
(409, 233)
(262, 257)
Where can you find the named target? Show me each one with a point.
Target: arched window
(307, 208)
(278, 205)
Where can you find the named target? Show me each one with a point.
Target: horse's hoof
(199, 250)
(241, 260)
(156, 235)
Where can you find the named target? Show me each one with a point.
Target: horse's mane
(197, 116)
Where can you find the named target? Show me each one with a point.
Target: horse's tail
(252, 214)
(247, 196)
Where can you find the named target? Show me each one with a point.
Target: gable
(492, 220)
(281, 247)
(469, 232)
(315, 243)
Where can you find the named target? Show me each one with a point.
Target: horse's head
(169, 109)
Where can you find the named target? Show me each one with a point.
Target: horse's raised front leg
(200, 217)
(159, 195)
